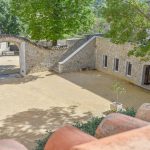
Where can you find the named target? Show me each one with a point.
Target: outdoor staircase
(71, 50)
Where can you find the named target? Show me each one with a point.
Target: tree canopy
(129, 21)
(53, 19)
(9, 24)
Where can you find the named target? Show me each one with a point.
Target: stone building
(113, 59)
(91, 52)
(101, 54)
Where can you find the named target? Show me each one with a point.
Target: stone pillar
(22, 59)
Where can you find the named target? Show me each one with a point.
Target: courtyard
(9, 65)
(45, 101)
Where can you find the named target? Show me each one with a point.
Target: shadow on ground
(8, 69)
(18, 79)
(31, 125)
(96, 82)
(101, 84)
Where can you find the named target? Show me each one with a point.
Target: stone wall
(105, 47)
(40, 59)
(82, 58)
(71, 42)
(32, 57)
(65, 42)
(49, 43)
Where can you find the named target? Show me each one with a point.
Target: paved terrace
(44, 101)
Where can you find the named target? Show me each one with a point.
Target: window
(116, 64)
(105, 60)
(129, 68)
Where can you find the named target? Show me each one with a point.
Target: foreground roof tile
(67, 137)
(137, 139)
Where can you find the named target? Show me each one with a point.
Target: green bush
(41, 142)
(129, 112)
(88, 127)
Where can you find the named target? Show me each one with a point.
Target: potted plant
(118, 90)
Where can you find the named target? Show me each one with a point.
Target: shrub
(90, 126)
(41, 142)
(129, 112)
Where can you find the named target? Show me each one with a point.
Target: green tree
(54, 19)
(9, 24)
(129, 21)
(99, 23)
(98, 5)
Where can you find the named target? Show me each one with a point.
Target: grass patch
(90, 126)
(129, 112)
(40, 144)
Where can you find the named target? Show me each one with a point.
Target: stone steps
(71, 50)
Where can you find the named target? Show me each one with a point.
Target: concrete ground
(9, 64)
(44, 101)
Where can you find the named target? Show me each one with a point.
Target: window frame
(116, 64)
(129, 68)
(105, 61)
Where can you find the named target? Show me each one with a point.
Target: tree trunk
(54, 43)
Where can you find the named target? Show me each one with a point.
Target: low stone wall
(49, 43)
(82, 58)
(71, 42)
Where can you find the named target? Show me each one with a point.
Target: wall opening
(129, 69)
(116, 64)
(9, 58)
(147, 75)
(105, 61)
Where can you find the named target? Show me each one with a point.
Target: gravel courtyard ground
(9, 64)
(44, 101)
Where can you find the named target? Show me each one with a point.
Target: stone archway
(33, 57)
(21, 45)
